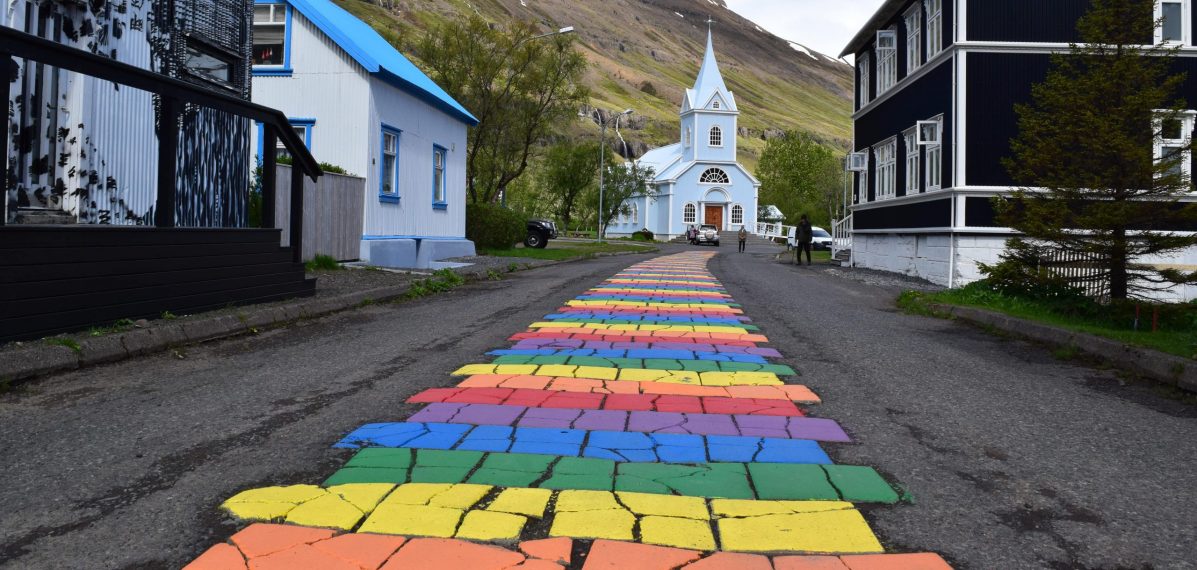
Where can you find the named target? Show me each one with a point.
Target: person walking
(692, 234)
(743, 235)
(805, 236)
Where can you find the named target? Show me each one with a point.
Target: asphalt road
(1010, 458)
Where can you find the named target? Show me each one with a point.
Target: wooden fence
(332, 214)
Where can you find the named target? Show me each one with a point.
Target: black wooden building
(955, 69)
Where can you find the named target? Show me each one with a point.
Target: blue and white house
(363, 106)
(697, 180)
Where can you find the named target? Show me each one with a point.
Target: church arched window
(714, 176)
(689, 214)
(737, 215)
(635, 215)
(716, 136)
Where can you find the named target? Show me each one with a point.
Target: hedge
(494, 227)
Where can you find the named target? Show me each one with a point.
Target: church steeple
(709, 83)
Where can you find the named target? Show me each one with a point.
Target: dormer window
(716, 137)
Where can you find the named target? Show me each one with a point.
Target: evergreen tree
(1085, 152)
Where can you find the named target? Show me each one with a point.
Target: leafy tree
(1085, 152)
(622, 182)
(568, 174)
(800, 175)
(518, 86)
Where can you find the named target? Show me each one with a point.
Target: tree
(519, 87)
(568, 173)
(1084, 153)
(621, 183)
(799, 175)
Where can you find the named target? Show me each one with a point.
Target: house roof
(866, 34)
(378, 56)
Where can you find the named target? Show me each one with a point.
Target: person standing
(692, 234)
(743, 235)
(805, 236)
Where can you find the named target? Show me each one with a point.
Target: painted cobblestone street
(641, 426)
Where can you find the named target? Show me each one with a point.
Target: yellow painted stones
(341, 506)
(802, 526)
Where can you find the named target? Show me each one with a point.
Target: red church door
(714, 216)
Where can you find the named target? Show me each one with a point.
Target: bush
(494, 227)
(1020, 273)
(643, 235)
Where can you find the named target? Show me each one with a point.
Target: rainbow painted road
(641, 426)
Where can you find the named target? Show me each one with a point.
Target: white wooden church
(697, 180)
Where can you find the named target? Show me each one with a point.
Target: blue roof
(378, 56)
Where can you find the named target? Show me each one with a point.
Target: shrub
(643, 235)
(494, 227)
(1020, 273)
(323, 263)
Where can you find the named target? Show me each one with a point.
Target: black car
(539, 233)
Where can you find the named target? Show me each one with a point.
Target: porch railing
(841, 236)
(173, 95)
(772, 231)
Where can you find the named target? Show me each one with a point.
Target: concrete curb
(1167, 368)
(41, 358)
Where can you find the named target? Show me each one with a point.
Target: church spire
(710, 80)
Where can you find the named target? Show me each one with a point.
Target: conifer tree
(1086, 152)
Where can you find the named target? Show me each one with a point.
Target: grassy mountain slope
(645, 53)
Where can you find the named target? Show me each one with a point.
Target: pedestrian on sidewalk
(805, 236)
(743, 235)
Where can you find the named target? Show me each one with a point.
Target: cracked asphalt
(1009, 458)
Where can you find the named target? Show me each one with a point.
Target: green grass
(67, 342)
(441, 281)
(322, 263)
(1177, 333)
(566, 250)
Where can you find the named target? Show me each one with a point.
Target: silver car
(707, 234)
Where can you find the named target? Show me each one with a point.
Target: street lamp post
(603, 164)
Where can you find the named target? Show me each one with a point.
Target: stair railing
(841, 236)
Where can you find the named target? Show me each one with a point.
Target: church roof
(709, 83)
(662, 159)
(378, 56)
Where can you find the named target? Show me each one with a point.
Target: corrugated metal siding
(422, 127)
(322, 73)
(1025, 20)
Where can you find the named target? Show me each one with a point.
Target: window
(862, 186)
(1176, 22)
(887, 169)
(635, 215)
(737, 216)
(934, 27)
(689, 214)
(439, 198)
(914, 39)
(716, 136)
(687, 137)
(714, 176)
(209, 63)
(913, 171)
(388, 184)
(715, 104)
(271, 35)
(863, 86)
(930, 134)
(1172, 142)
(887, 60)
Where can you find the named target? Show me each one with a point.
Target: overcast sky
(823, 25)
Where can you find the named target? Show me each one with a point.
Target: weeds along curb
(60, 355)
(1167, 368)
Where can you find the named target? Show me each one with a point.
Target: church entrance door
(714, 216)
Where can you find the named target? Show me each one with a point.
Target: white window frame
(934, 10)
(690, 213)
(886, 155)
(278, 19)
(1186, 24)
(862, 186)
(865, 67)
(887, 60)
(689, 137)
(716, 137)
(635, 214)
(715, 104)
(724, 181)
(1187, 120)
(857, 162)
(914, 165)
(737, 209)
(933, 179)
(914, 38)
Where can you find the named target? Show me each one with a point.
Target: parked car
(820, 239)
(539, 233)
(707, 234)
